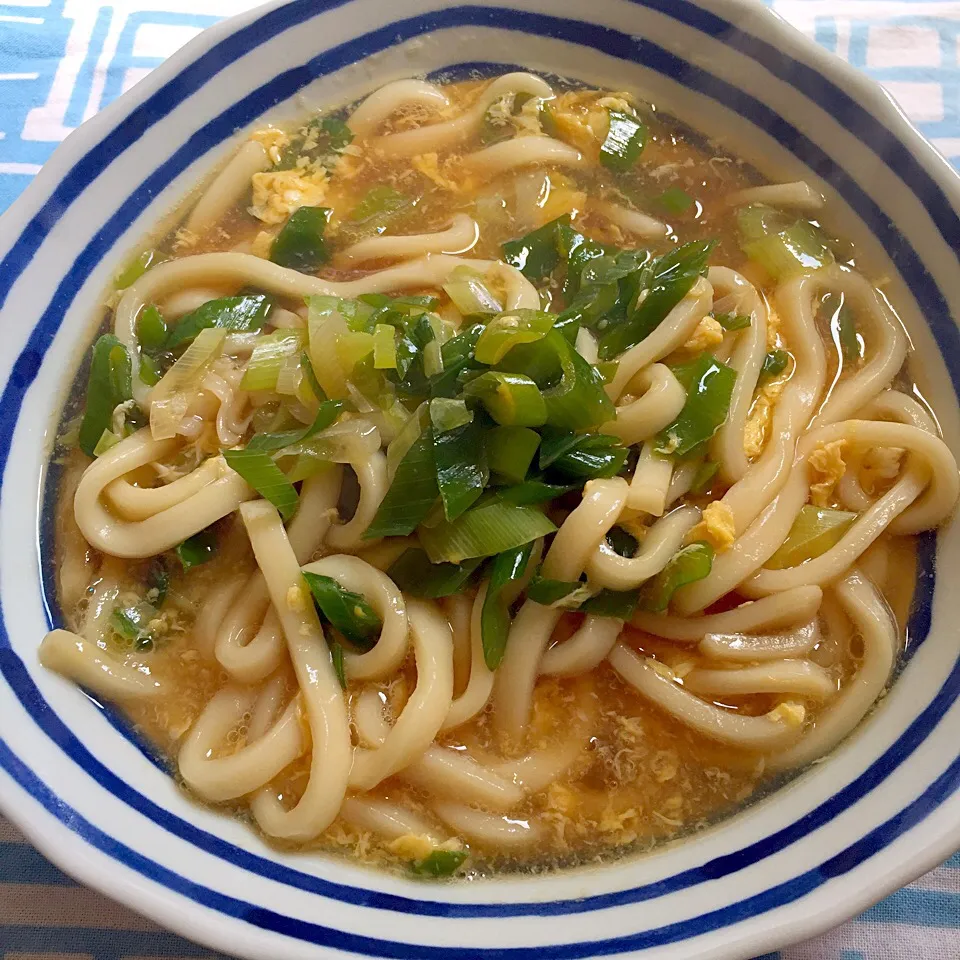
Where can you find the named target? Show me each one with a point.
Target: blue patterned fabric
(63, 60)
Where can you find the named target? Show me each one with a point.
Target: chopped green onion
(470, 295)
(814, 532)
(790, 252)
(240, 314)
(578, 401)
(618, 604)
(510, 398)
(109, 384)
(440, 863)
(674, 200)
(413, 573)
(703, 479)
(108, 440)
(151, 328)
(689, 564)
(510, 451)
(548, 122)
(158, 582)
(345, 611)
(621, 542)
(327, 414)
(758, 220)
(733, 321)
(447, 414)
(267, 358)
(587, 456)
(197, 549)
(506, 567)
(339, 667)
(775, 362)
(384, 347)
(846, 333)
(508, 330)
(259, 470)
(149, 371)
(531, 492)
(310, 377)
(136, 268)
(412, 493)
(490, 528)
(352, 347)
(535, 255)
(672, 277)
(325, 324)
(132, 622)
(300, 245)
(624, 142)
(461, 462)
(551, 593)
(379, 206)
(709, 389)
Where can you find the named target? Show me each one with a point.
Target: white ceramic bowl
(878, 812)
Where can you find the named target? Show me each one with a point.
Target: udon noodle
(496, 470)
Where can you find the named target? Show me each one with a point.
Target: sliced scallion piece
(327, 414)
(587, 456)
(240, 314)
(618, 604)
(512, 399)
(495, 616)
(483, 531)
(346, 611)
(470, 295)
(151, 328)
(447, 414)
(674, 200)
(461, 461)
(689, 564)
(510, 451)
(846, 334)
(379, 206)
(672, 277)
(412, 493)
(703, 479)
(259, 470)
(551, 593)
(531, 492)
(798, 248)
(733, 321)
(815, 531)
(384, 347)
(709, 384)
(775, 362)
(197, 549)
(413, 573)
(109, 384)
(136, 268)
(339, 666)
(149, 371)
(508, 330)
(267, 358)
(300, 245)
(440, 863)
(535, 255)
(625, 140)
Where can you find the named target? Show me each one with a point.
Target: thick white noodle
(440, 136)
(391, 97)
(726, 726)
(522, 152)
(750, 648)
(381, 593)
(798, 195)
(160, 531)
(390, 820)
(251, 766)
(650, 482)
(319, 687)
(418, 724)
(606, 568)
(748, 356)
(572, 547)
(673, 332)
(798, 605)
(249, 640)
(650, 400)
(639, 224)
(460, 237)
(585, 650)
(872, 619)
(800, 677)
(229, 185)
(479, 686)
(90, 666)
(497, 833)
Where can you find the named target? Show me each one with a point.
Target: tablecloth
(62, 60)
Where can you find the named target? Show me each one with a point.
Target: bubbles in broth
(492, 475)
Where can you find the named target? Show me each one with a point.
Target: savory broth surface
(492, 475)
